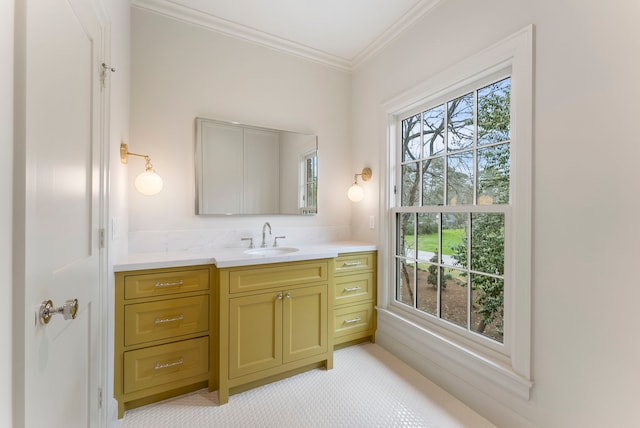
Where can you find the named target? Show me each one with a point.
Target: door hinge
(101, 237)
(395, 190)
(99, 398)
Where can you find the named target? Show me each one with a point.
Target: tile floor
(368, 387)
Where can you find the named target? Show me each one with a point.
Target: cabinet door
(255, 333)
(261, 171)
(304, 322)
(221, 166)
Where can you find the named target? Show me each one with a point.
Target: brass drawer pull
(170, 284)
(351, 264)
(162, 321)
(164, 366)
(348, 290)
(351, 321)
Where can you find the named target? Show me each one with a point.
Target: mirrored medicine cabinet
(249, 170)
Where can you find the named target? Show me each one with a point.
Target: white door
(63, 128)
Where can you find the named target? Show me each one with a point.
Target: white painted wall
(180, 72)
(586, 232)
(120, 59)
(6, 207)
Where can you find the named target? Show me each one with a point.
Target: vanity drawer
(164, 319)
(353, 288)
(354, 262)
(353, 319)
(165, 283)
(288, 274)
(166, 364)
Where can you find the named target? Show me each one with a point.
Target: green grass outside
(450, 239)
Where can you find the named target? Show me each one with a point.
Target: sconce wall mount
(356, 193)
(148, 182)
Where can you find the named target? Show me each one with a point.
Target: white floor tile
(368, 387)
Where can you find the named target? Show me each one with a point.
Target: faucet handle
(275, 240)
(250, 241)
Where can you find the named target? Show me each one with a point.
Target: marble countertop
(231, 257)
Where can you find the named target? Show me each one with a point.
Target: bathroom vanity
(231, 321)
(162, 333)
(273, 319)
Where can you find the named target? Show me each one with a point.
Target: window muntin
(460, 119)
(449, 253)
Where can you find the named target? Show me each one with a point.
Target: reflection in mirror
(244, 169)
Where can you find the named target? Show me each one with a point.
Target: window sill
(476, 369)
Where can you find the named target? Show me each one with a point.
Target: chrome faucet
(264, 243)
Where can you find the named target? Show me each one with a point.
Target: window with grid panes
(452, 210)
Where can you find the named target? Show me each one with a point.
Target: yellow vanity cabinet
(354, 283)
(274, 322)
(162, 326)
(275, 328)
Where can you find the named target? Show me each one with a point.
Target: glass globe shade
(148, 183)
(355, 193)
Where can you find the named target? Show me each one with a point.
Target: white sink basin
(271, 251)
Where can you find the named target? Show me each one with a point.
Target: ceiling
(341, 33)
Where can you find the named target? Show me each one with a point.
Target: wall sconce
(148, 182)
(356, 193)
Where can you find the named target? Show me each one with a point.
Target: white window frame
(495, 349)
(509, 365)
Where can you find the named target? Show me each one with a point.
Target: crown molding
(232, 29)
